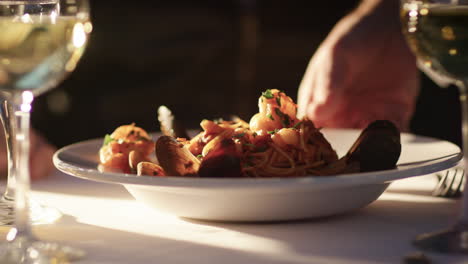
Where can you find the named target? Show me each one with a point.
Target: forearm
(381, 6)
(372, 22)
(380, 14)
(384, 13)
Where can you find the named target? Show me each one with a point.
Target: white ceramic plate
(266, 199)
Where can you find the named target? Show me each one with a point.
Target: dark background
(203, 59)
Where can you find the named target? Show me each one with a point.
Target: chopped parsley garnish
(268, 94)
(249, 145)
(278, 100)
(107, 139)
(273, 131)
(285, 120)
(278, 112)
(297, 124)
(199, 156)
(271, 117)
(240, 135)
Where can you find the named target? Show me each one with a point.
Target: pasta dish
(274, 143)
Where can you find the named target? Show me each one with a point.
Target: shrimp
(286, 137)
(125, 139)
(276, 111)
(213, 132)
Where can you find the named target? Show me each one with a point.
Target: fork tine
(451, 183)
(449, 191)
(463, 184)
(458, 190)
(439, 188)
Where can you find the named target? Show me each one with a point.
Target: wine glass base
(39, 213)
(27, 250)
(7, 212)
(452, 240)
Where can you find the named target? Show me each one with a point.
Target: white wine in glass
(41, 41)
(437, 33)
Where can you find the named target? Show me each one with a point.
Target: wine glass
(40, 214)
(437, 33)
(7, 199)
(41, 41)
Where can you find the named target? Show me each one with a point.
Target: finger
(327, 88)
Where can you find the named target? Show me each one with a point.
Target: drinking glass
(41, 41)
(39, 213)
(437, 33)
(7, 200)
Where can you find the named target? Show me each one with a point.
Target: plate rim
(375, 177)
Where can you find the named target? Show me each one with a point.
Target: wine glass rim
(15, 2)
(437, 2)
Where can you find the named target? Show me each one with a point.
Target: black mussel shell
(377, 148)
(174, 158)
(221, 162)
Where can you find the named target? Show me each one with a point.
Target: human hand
(40, 157)
(362, 71)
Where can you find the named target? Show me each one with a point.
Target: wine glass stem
(463, 87)
(20, 142)
(7, 122)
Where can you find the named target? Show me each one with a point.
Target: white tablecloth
(106, 222)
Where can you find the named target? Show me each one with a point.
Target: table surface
(106, 222)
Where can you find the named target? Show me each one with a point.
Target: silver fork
(450, 183)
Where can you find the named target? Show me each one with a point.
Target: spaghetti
(287, 151)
